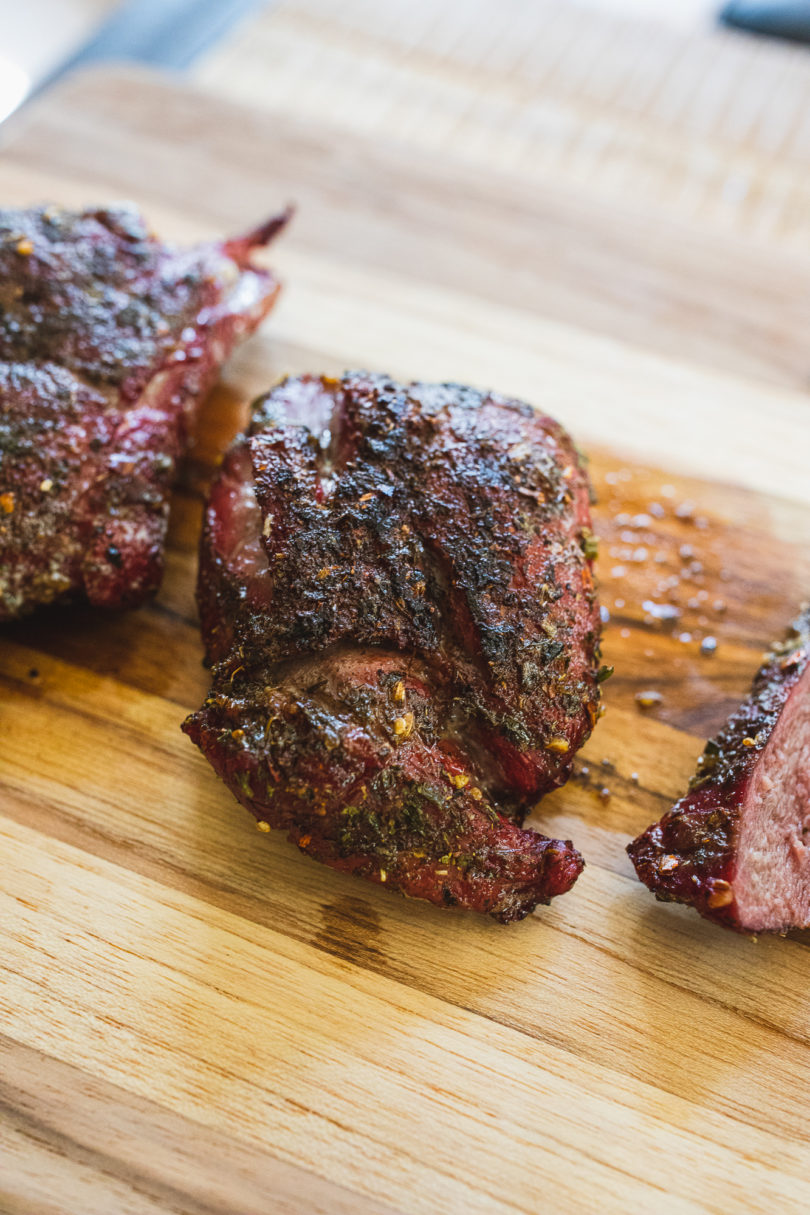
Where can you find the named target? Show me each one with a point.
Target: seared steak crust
(693, 855)
(404, 629)
(108, 341)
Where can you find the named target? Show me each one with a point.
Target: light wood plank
(74, 1142)
(702, 124)
(175, 1000)
(183, 830)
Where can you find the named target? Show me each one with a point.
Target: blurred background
(637, 95)
(42, 35)
(668, 103)
(44, 38)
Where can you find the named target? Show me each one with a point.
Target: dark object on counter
(737, 846)
(164, 33)
(109, 341)
(396, 594)
(776, 19)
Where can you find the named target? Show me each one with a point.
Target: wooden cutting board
(197, 1018)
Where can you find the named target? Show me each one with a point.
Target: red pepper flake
(558, 743)
(721, 895)
(304, 841)
(7, 503)
(403, 726)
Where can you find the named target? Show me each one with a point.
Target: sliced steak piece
(108, 342)
(737, 846)
(395, 590)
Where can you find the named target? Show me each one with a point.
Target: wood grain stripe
(180, 987)
(70, 1128)
(708, 125)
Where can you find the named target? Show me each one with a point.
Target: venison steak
(109, 340)
(737, 846)
(396, 596)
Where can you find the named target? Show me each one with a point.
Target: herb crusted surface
(108, 341)
(398, 602)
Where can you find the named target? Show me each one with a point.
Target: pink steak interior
(772, 883)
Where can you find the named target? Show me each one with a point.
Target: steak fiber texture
(396, 596)
(737, 846)
(109, 340)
